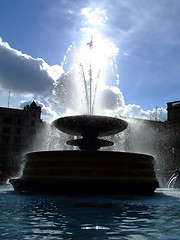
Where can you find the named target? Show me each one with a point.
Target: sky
(144, 37)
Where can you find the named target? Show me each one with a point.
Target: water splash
(173, 179)
(86, 72)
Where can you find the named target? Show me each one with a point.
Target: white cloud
(135, 111)
(111, 98)
(94, 16)
(47, 113)
(28, 77)
(22, 74)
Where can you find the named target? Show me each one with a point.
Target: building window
(5, 139)
(6, 130)
(17, 149)
(18, 131)
(19, 121)
(32, 123)
(17, 140)
(33, 114)
(7, 120)
(176, 115)
(31, 132)
(5, 150)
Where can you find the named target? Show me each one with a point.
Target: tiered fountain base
(87, 172)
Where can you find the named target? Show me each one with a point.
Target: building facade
(173, 109)
(18, 130)
(173, 121)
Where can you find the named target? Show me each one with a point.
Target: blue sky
(35, 35)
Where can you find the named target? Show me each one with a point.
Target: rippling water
(62, 217)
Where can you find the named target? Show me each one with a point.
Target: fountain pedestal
(88, 171)
(90, 127)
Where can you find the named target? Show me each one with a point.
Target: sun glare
(100, 54)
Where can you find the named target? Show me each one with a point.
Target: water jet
(173, 181)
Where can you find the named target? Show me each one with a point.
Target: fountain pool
(62, 217)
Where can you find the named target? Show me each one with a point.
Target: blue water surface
(115, 217)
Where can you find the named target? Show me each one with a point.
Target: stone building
(173, 109)
(18, 130)
(173, 121)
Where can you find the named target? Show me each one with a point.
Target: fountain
(87, 170)
(173, 181)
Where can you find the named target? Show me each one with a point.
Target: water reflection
(54, 217)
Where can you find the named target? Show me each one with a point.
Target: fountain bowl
(95, 125)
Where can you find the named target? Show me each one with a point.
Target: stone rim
(94, 125)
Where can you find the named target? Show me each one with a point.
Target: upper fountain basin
(94, 125)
